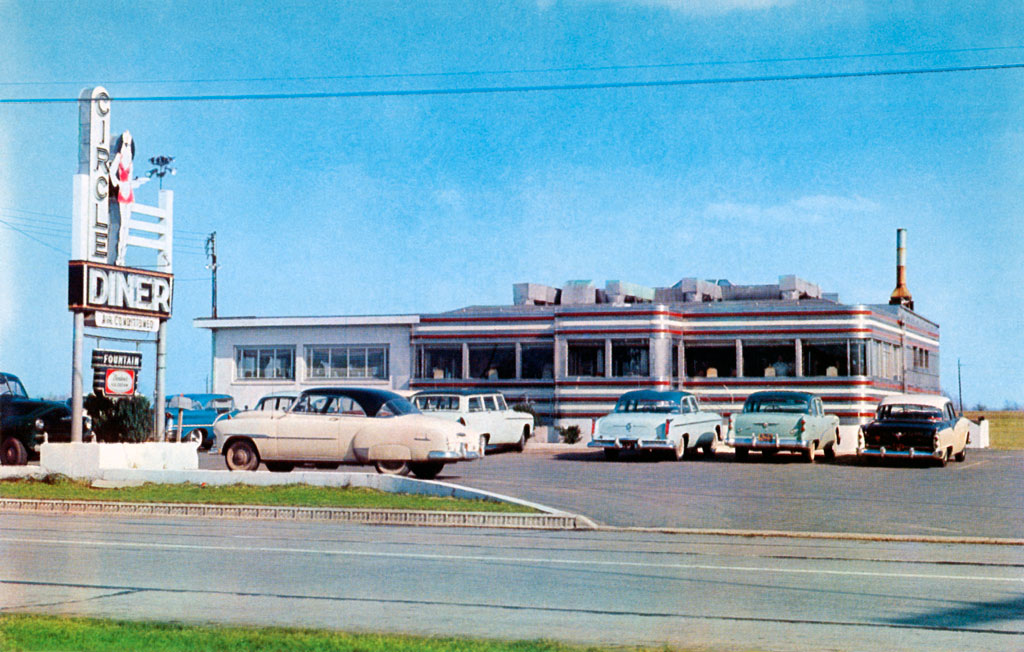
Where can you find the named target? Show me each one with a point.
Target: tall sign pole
(102, 291)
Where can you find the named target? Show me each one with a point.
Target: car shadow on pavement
(632, 457)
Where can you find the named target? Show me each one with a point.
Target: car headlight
(40, 425)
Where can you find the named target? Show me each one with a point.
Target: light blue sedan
(671, 422)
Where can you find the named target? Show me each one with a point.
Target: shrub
(528, 409)
(570, 434)
(125, 419)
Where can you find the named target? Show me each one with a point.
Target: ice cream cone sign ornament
(124, 183)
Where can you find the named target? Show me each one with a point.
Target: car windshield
(397, 407)
(12, 386)
(660, 406)
(221, 404)
(906, 412)
(793, 404)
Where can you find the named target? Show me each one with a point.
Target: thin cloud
(804, 210)
(702, 7)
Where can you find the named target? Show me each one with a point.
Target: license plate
(765, 437)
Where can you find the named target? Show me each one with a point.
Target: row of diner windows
(631, 358)
(321, 362)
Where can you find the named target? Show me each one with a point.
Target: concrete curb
(557, 521)
(834, 536)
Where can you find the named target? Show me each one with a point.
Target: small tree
(528, 409)
(570, 434)
(124, 419)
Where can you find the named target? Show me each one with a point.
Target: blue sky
(432, 202)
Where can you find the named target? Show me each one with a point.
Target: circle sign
(120, 382)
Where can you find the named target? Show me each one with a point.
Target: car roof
(780, 394)
(202, 398)
(279, 395)
(369, 399)
(458, 391)
(654, 395)
(930, 400)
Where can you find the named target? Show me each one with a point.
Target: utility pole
(211, 252)
(960, 385)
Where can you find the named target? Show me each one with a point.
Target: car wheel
(708, 449)
(521, 444)
(426, 470)
(611, 453)
(944, 459)
(679, 452)
(961, 456)
(809, 453)
(196, 436)
(483, 445)
(280, 467)
(392, 467)
(242, 456)
(830, 452)
(741, 453)
(13, 453)
(330, 466)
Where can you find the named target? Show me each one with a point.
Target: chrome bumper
(909, 453)
(462, 455)
(627, 444)
(776, 443)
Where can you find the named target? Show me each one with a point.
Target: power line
(31, 237)
(488, 90)
(518, 71)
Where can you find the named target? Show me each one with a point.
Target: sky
(386, 203)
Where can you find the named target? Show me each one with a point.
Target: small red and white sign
(119, 382)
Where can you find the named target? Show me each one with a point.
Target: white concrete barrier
(90, 460)
(979, 434)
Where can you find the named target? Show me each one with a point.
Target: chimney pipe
(901, 295)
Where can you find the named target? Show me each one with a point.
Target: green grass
(36, 633)
(1005, 428)
(294, 495)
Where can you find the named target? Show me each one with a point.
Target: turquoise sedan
(774, 421)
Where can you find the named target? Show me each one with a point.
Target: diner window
(492, 361)
(709, 361)
(441, 362)
(775, 359)
(265, 363)
(537, 361)
(586, 358)
(630, 358)
(346, 362)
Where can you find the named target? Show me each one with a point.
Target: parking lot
(983, 496)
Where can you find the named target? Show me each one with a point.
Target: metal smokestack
(901, 295)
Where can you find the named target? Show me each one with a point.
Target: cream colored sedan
(331, 426)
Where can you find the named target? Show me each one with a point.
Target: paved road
(983, 496)
(591, 587)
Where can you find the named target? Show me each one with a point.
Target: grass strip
(292, 495)
(1005, 428)
(38, 633)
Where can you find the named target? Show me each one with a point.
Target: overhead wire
(540, 70)
(532, 88)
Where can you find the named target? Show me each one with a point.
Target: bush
(528, 409)
(570, 434)
(125, 419)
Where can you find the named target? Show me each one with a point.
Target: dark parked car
(198, 412)
(27, 422)
(915, 426)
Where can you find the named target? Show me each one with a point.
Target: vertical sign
(90, 237)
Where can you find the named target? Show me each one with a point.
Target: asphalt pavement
(588, 587)
(981, 497)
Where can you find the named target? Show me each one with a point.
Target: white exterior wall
(248, 391)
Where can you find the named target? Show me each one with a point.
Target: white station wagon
(657, 420)
(484, 413)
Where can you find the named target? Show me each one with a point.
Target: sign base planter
(90, 460)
